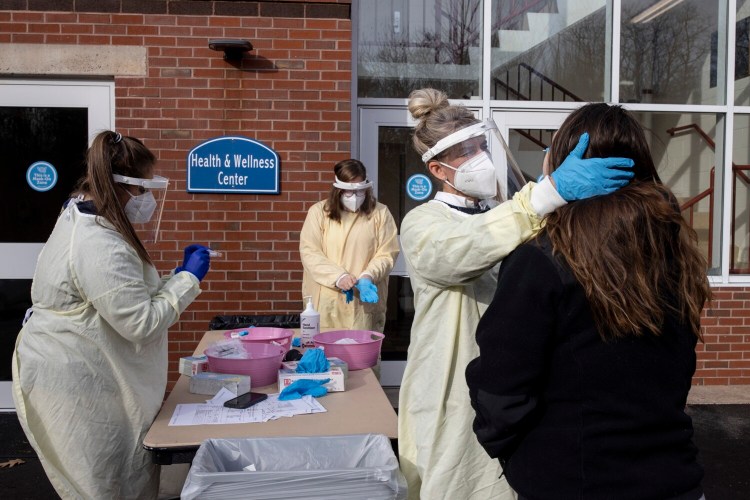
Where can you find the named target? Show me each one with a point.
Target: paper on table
(270, 409)
(221, 397)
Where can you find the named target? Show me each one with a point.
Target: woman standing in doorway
(349, 241)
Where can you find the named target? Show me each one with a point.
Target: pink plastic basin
(262, 363)
(363, 354)
(265, 335)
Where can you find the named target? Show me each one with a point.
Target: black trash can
(231, 322)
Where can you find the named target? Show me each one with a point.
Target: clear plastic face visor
(148, 232)
(509, 176)
(352, 186)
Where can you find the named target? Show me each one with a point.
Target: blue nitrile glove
(368, 292)
(577, 178)
(313, 361)
(304, 387)
(296, 342)
(349, 295)
(198, 263)
(189, 250)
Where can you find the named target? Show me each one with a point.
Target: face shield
(471, 141)
(352, 193)
(352, 186)
(144, 208)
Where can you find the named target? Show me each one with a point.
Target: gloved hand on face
(189, 250)
(368, 292)
(198, 263)
(579, 178)
(304, 387)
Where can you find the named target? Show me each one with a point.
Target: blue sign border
(273, 189)
(31, 170)
(408, 185)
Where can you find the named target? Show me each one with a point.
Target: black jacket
(569, 415)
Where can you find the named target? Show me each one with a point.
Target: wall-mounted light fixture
(233, 49)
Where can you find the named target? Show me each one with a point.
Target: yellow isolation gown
(358, 244)
(90, 365)
(452, 259)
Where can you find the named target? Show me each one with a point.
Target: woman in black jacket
(587, 350)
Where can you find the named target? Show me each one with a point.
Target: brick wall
(724, 358)
(292, 93)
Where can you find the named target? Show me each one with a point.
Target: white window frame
(19, 259)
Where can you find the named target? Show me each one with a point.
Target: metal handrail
(694, 126)
(690, 204)
(520, 96)
(738, 172)
(546, 79)
(541, 76)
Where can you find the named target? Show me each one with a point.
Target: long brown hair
(112, 153)
(347, 171)
(632, 251)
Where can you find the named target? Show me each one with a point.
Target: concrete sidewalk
(721, 418)
(719, 394)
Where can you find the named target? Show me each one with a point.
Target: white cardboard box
(287, 375)
(210, 383)
(190, 365)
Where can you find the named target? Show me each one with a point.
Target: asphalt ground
(722, 434)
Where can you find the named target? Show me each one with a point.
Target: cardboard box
(211, 383)
(287, 375)
(340, 363)
(292, 365)
(192, 365)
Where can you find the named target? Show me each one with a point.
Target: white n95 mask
(476, 177)
(139, 209)
(353, 201)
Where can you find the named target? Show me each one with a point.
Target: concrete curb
(719, 394)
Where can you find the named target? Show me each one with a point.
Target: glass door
(528, 133)
(45, 128)
(386, 151)
(395, 168)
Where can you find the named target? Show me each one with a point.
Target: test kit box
(210, 383)
(288, 374)
(192, 365)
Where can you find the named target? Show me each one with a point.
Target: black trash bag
(275, 321)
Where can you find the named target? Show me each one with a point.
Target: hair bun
(422, 102)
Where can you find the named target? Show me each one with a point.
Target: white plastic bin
(359, 466)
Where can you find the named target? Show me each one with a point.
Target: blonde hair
(436, 118)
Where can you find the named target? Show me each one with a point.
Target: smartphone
(245, 400)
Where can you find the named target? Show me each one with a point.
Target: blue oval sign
(41, 176)
(419, 187)
(233, 165)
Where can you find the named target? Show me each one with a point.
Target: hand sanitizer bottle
(309, 321)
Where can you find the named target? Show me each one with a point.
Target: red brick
(27, 17)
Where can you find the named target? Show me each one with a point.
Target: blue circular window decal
(419, 187)
(41, 176)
